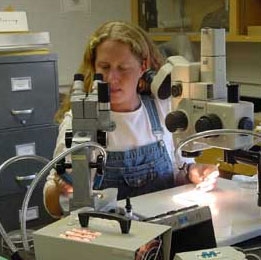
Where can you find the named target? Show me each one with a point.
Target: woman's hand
(64, 182)
(52, 192)
(64, 187)
(204, 175)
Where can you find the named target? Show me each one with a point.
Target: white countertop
(235, 214)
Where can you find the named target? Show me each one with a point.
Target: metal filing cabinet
(29, 99)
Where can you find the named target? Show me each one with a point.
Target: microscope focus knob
(208, 122)
(246, 123)
(176, 120)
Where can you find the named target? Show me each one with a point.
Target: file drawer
(29, 87)
(40, 141)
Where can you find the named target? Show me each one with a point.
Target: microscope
(204, 102)
(91, 122)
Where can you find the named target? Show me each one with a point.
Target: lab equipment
(45, 170)
(204, 114)
(124, 221)
(144, 241)
(203, 100)
(91, 121)
(247, 156)
(206, 106)
(226, 252)
(234, 213)
(192, 227)
(91, 112)
(91, 133)
(207, 113)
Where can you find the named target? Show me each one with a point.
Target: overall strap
(150, 105)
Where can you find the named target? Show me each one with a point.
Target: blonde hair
(140, 44)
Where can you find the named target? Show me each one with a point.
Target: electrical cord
(250, 256)
(15, 254)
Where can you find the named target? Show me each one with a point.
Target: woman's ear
(144, 67)
(145, 82)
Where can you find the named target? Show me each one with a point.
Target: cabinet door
(250, 18)
(240, 18)
(177, 15)
(40, 141)
(29, 92)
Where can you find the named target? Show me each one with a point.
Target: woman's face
(122, 70)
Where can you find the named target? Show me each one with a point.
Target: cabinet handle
(25, 178)
(22, 112)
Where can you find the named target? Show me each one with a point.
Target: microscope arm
(45, 170)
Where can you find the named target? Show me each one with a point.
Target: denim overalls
(141, 170)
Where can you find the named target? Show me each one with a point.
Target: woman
(140, 151)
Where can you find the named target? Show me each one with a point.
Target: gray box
(110, 245)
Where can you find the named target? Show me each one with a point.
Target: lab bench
(235, 214)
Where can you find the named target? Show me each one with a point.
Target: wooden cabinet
(241, 18)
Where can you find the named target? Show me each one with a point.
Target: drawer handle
(22, 112)
(25, 178)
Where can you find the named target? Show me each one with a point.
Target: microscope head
(202, 99)
(91, 112)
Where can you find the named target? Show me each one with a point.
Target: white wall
(69, 31)
(243, 66)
